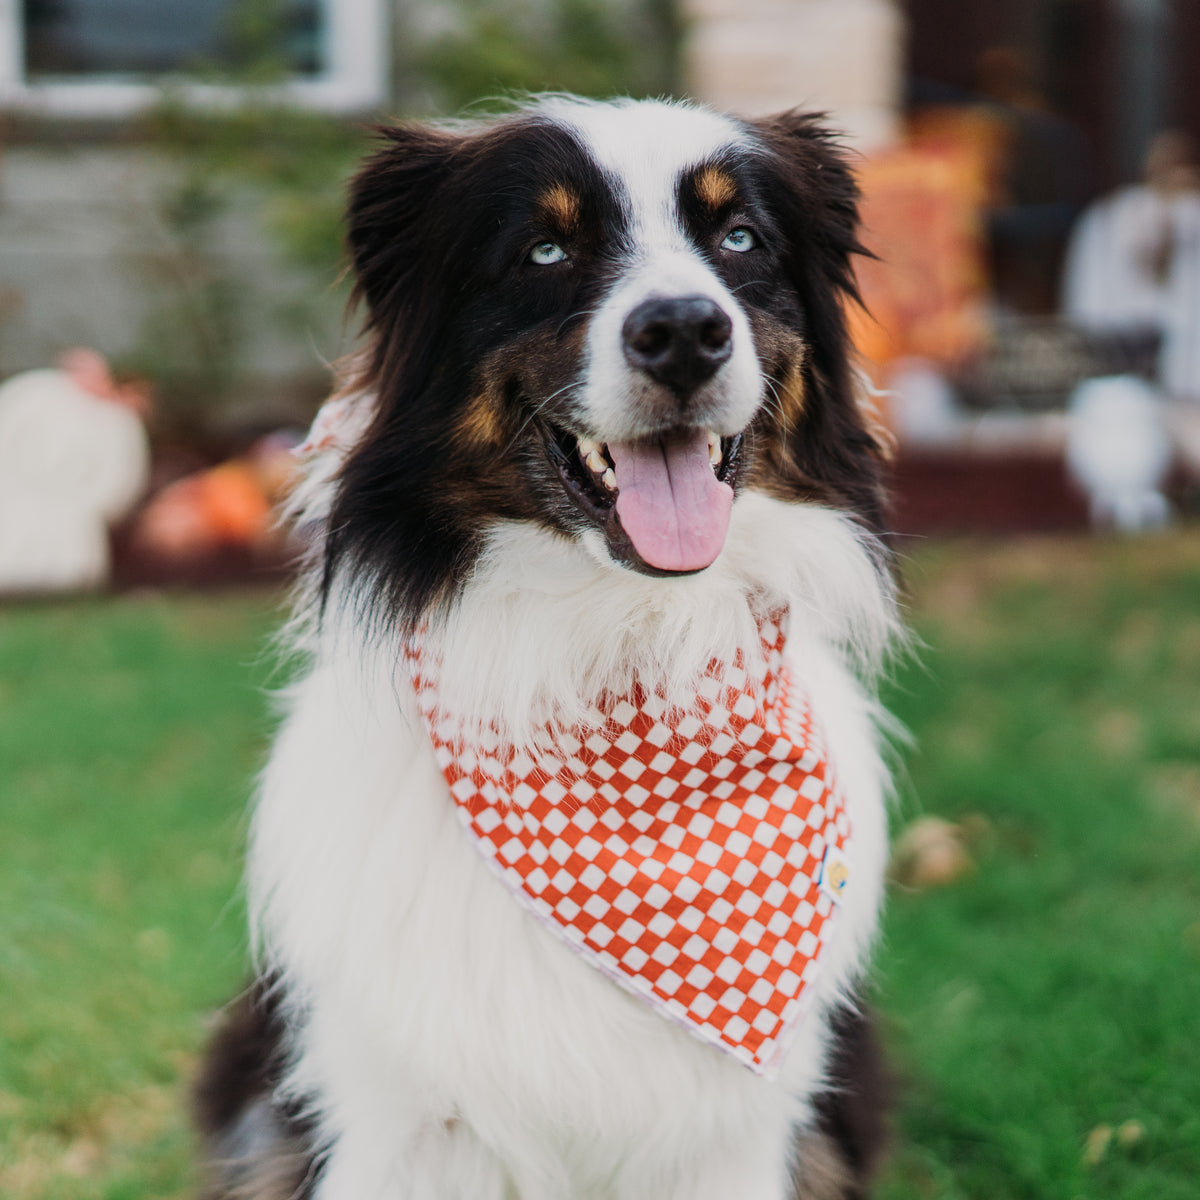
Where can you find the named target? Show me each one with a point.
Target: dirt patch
(931, 853)
(1118, 733)
(1175, 788)
(1185, 646)
(110, 1130)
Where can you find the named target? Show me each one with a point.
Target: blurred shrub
(295, 161)
(592, 47)
(280, 170)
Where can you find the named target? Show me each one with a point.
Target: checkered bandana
(695, 857)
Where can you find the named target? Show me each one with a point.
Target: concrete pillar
(760, 56)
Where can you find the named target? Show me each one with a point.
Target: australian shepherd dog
(567, 859)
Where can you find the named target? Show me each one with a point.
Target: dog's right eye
(545, 253)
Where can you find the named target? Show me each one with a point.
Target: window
(110, 57)
(147, 38)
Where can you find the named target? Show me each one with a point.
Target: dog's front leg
(443, 1163)
(744, 1180)
(741, 1179)
(752, 1165)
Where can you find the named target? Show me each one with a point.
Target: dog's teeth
(588, 447)
(595, 460)
(610, 479)
(714, 448)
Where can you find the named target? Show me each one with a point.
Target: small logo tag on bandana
(695, 857)
(835, 874)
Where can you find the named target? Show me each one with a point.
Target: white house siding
(87, 258)
(762, 56)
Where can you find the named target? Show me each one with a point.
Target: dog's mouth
(662, 502)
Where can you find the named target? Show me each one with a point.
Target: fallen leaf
(930, 853)
(1130, 1133)
(1097, 1145)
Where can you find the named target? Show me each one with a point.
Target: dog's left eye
(545, 253)
(739, 240)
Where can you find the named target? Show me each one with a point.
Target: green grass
(1054, 990)
(129, 732)
(1058, 988)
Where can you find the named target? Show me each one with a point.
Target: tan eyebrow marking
(715, 188)
(562, 206)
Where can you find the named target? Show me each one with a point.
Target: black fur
(853, 1113)
(256, 1145)
(439, 226)
(811, 193)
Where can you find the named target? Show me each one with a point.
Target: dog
(599, 489)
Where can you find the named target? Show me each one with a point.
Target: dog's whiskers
(774, 404)
(583, 312)
(541, 405)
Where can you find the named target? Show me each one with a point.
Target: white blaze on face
(670, 503)
(646, 147)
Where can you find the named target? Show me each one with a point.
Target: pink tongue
(672, 507)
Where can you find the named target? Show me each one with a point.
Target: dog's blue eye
(740, 240)
(546, 253)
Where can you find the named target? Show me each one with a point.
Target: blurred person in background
(1132, 278)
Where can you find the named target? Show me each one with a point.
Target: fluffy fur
(415, 1034)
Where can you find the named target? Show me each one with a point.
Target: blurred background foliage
(592, 47)
(286, 166)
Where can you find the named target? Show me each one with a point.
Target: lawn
(1056, 992)
(129, 731)
(1042, 1010)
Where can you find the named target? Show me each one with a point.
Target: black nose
(680, 342)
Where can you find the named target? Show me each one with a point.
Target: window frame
(356, 80)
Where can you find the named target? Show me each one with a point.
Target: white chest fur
(454, 1048)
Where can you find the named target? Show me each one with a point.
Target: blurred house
(1083, 86)
(98, 229)
(762, 56)
(986, 129)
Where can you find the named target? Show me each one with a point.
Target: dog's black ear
(392, 217)
(815, 195)
(811, 191)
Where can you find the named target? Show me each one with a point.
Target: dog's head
(605, 319)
